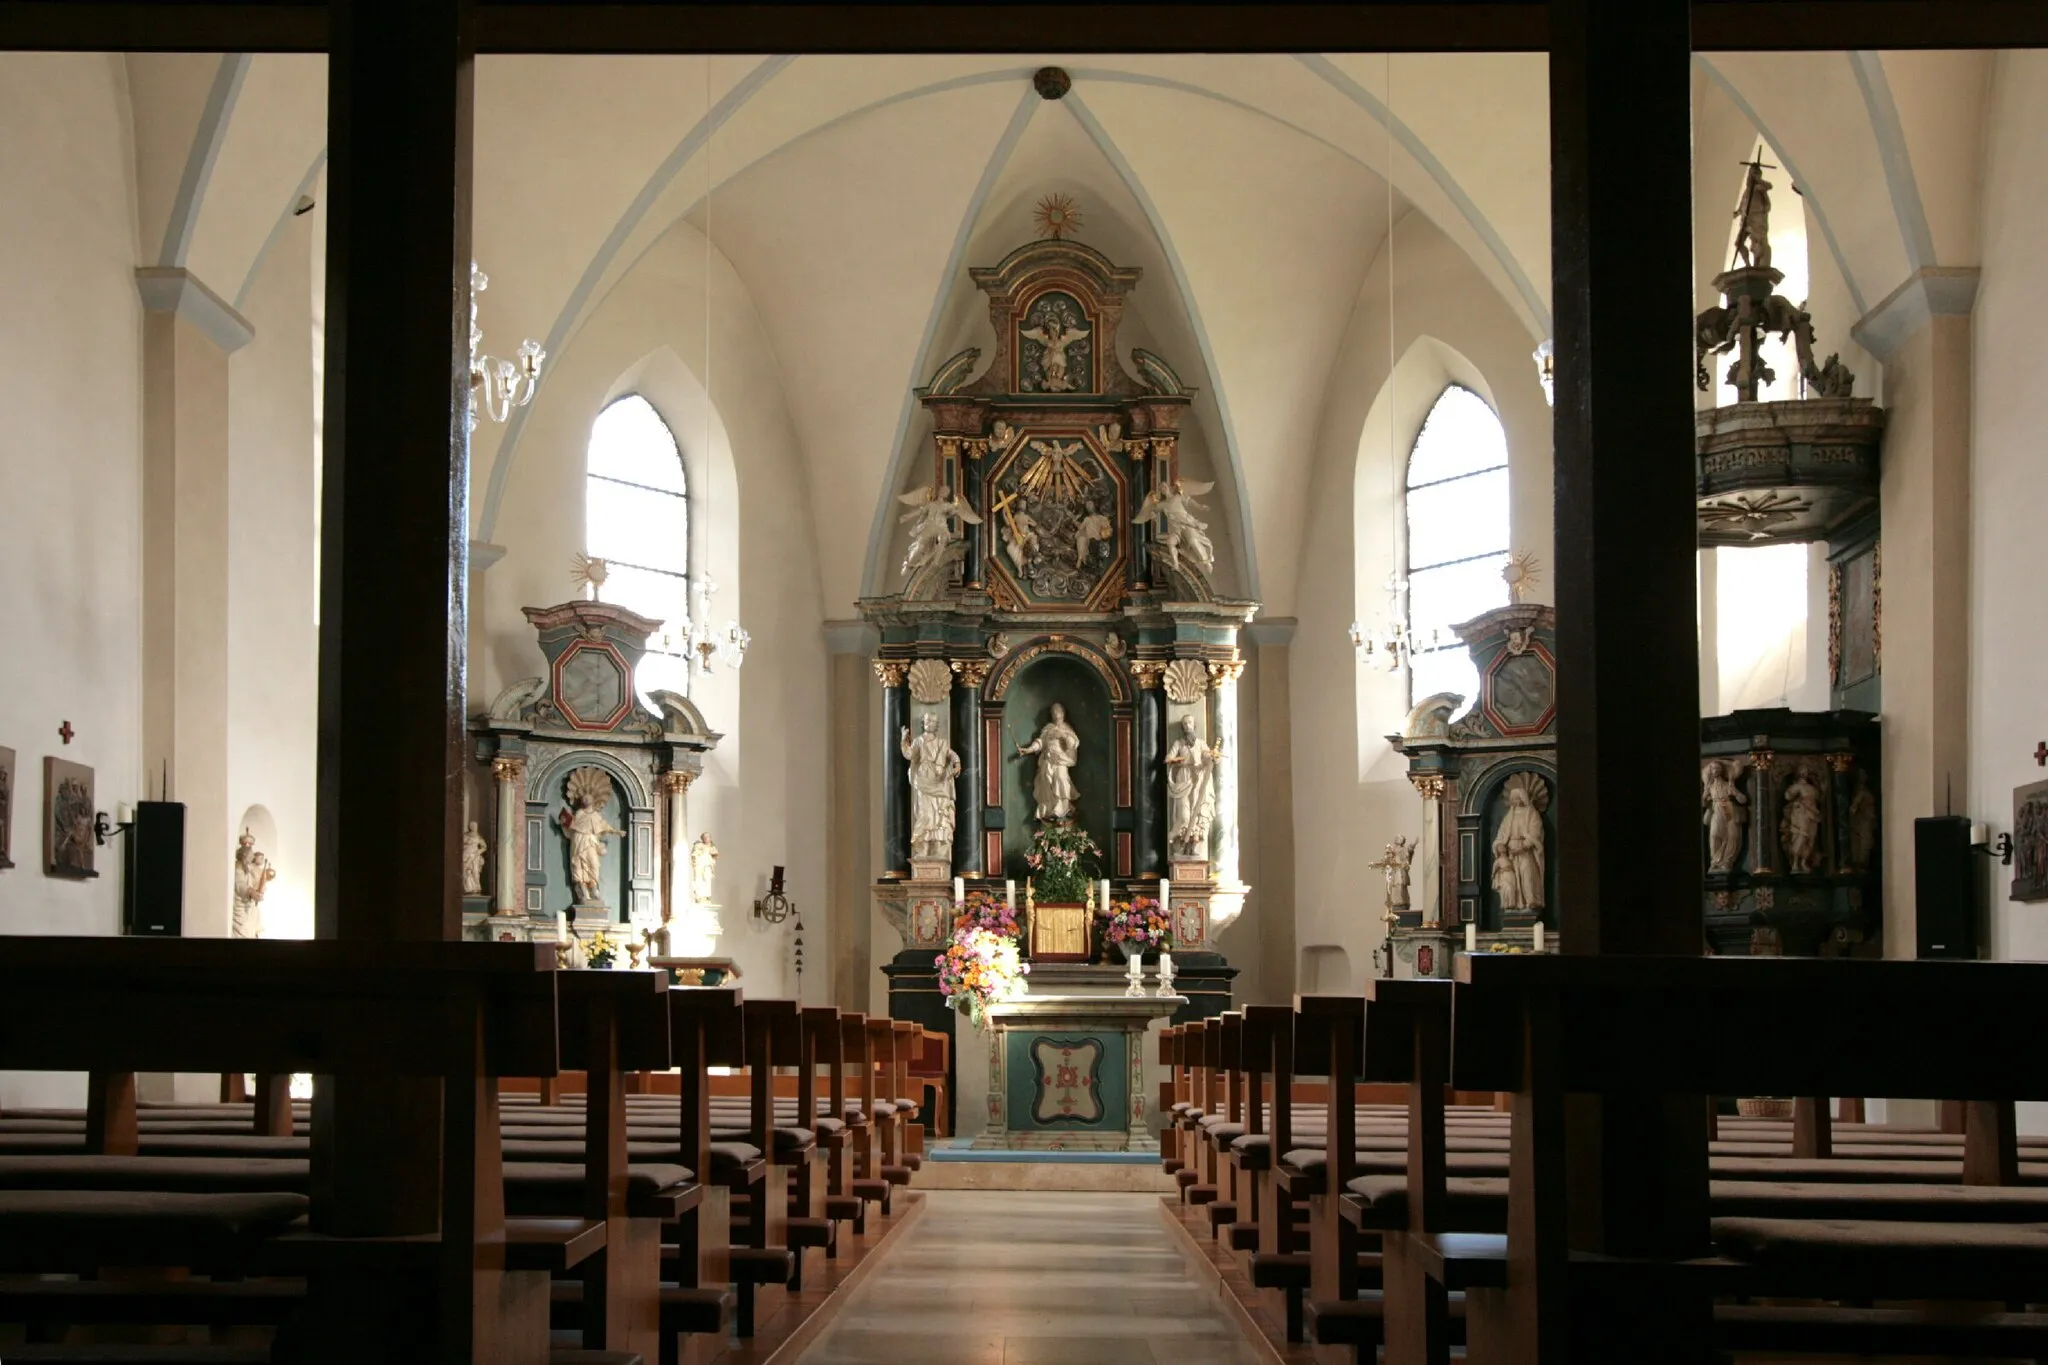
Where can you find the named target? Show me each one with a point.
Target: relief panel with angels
(1056, 503)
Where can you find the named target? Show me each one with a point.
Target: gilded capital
(1148, 673)
(675, 782)
(1226, 670)
(971, 672)
(1764, 759)
(1841, 763)
(1428, 786)
(508, 767)
(892, 671)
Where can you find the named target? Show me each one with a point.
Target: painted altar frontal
(1057, 654)
(1066, 1071)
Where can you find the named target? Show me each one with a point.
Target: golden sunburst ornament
(1520, 574)
(1057, 215)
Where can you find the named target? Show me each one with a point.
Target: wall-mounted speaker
(1944, 887)
(154, 897)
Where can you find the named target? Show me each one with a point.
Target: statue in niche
(1724, 811)
(253, 875)
(1054, 335)
(932, 517)
(1753, 219)
(703, 868)
(933, 768)
(1799, 827)
(583, 820)
(1862, 824)
(1394, 865)
(1173, 506)
(1190, 791)
(1058, 748)
(473, 847)
(1518, 844)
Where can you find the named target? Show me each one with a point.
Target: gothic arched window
(636, 517)
(1457, 508)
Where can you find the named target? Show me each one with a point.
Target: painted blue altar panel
(1074, 1082)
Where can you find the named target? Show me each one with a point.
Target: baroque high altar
(1056, 652)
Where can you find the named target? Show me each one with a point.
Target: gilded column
(967, 850)
(895, 768)
(1429, 895)
(510, 772)
(1223, 676)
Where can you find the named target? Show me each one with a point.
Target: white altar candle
(1105, 895)
(1010, 892)
(1539, 936)
(1165, 894)
(959, 890)
(1471, 936)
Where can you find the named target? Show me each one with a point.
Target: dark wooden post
(393, 556)
(1628, 842)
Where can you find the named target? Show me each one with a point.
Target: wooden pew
(1682, 1028)
(459, 1014)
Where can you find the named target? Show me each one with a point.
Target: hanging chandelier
(1391, 643)
(497, 386)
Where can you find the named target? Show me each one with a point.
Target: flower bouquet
(979, 967)
(1063, 863)
(982, 911)
(600, 952)
(1139, 926)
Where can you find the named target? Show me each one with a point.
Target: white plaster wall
(762, 795)
(273, 642)
(1351, 793)
(70, 476)
(2009, 482)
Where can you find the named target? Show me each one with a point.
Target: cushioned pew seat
(163, 1174)
(552, 1189)
(1887, 1258)
(49, 1229)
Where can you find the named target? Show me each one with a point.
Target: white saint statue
(1190, 791)
(1058, 749)
(1518, 845)
(1723, 808)
(1394, 865)
(703, 868)
(933, 767)
(1023, 540)
(1088, 531)
(1800, 825)
(473, 847)
(253, 875)
(1172, 506)
(590, 792)
(1055, 336)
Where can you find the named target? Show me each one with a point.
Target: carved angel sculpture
(1173, 506)
(932, 517)
(1724, 810)
(512, 703)
(1055, 336)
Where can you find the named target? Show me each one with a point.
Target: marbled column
(1141, 534)
(969, 674)
(510, 772)
(676, 787)
(1148, 806)
(1427, 891)
(1223, 676)
(895, 768)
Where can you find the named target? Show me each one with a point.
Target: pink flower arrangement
(982, 911)
(1141, 920)
(979, 967)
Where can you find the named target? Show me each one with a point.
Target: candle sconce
(775, 907)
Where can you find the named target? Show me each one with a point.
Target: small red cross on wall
(2041, 754)
(66, 731)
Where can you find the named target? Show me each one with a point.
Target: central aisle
(1034, 1278)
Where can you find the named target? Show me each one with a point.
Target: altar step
(959, 1167)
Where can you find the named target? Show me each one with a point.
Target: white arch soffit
(284, 217)
(1233, 466)
(873, 573)
(1816, 211)
(214, 117)
(1899, 180)
(1439, 173)
(643, 202)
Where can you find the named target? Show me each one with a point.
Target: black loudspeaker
(1944, 887)
(155, 893)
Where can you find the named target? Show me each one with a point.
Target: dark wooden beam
(394, 559)
(675, 26)
(1627, 808)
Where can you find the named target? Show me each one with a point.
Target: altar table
(1067, 1072)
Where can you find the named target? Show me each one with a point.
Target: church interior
(1022, 683)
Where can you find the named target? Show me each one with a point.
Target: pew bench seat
(549, 1189)
(38, 1300)
(110, 1353)
(54, 1230)
(159, 1174)
(1878, 1332)
(1882, 1259)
